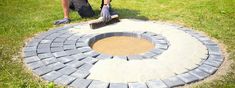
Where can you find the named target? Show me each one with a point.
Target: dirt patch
(122, 45)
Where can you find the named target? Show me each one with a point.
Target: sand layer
(122, 45)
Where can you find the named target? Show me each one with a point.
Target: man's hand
(105, 13)
(62, 21)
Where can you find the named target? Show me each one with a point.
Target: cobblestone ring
(181, 56)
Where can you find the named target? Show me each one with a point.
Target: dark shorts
(83, 7)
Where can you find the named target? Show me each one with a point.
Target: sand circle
(122, 45)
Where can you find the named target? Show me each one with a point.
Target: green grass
(21, 19)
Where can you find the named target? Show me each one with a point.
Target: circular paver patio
(181, 56)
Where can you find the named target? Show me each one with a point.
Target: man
(84, 10)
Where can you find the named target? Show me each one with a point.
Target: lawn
(21, 19)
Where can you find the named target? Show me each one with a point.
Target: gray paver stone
(75, 63)
(72, 52)
(43, 50)
(80, 74)
(69, 47)
(56, 45)
(216, 57)
(135, 57)
(173, 82)
(199, 73)
(36, 64)
(57, 49)
(118, 85)
(46, 41)
(149, 55)
(160, 42)
(51, 37)
(157, 51)
(214, 50)
(49, 60)
(209, 42)
(158, 37)
(84, 49)
(64, 80)
(162, 46)
(120, 57)
(66, 59)
(45, 55)
(150, 34)
(207, 68)
(30, 54)
(188, 78)
(137, 85)
(87, 59)
(156, 84)
(109, 34)
(81, 44)
(74, 37)
(85, 67)
(104, 56)
(56, 66)
(93, 61)
(196, 35)
(79, 56)
(203, 39)
(31, 59)
(42, 70)
(59, 40)
(28, 49)
(146, 37)
(43, 46)
(83, 39)
(32, 44)
(51, 76)
(212, 63)
(65, 35)
(99, 36)
(67, 70)
(60, 54)
(98, 84)
(92, 54)
(139, 32)
(81, 83)
(70, 42)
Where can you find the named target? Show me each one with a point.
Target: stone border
(66, 58)
(161, 44)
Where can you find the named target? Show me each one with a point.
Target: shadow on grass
(129, 14)
(125, 14)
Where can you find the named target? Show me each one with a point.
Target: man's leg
(105, 2)
(65, 6)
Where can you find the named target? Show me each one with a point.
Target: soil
(122, 46)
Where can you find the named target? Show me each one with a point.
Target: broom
(100, 23)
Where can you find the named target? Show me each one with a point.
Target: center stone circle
(122, 44)
(128, 44)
